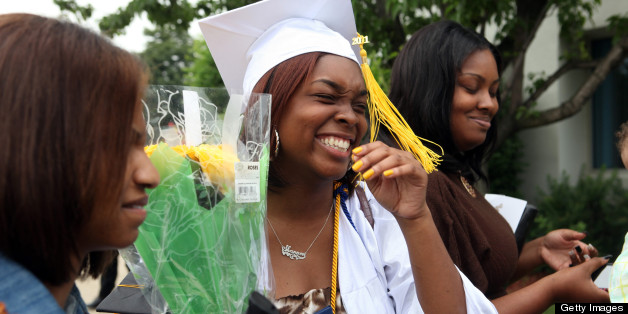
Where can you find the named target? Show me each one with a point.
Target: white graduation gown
(374, 271)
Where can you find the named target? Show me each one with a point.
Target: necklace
(286, 250)
(467, 185)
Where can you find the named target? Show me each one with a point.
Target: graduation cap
(126, 298)
(247, 42)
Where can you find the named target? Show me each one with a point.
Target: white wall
(566, 145)
(541, 149)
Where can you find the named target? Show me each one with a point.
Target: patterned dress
(309, 302)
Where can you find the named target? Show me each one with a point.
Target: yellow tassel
(382, 111)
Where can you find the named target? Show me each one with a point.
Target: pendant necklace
(286, 250)
(467, 185)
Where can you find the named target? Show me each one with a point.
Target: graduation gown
(374, 272)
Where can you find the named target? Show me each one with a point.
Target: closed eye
(360, 107)
(325, 98)
(470, 90)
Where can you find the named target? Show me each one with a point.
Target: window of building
(610, 109)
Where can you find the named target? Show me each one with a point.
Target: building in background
(586, 139)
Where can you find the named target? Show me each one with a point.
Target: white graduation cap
(249, 41)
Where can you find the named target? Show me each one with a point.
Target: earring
(277, 143)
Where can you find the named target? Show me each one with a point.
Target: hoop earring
(277, 143)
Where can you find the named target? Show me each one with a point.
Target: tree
(203, 71)
(168, 55)
(389, 22)
(517, 21)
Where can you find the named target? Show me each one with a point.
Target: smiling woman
(74, 168)
(445, 82)
(299, 51)
(318, 94)
(475, 100)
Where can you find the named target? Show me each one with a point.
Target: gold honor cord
(382, 111)
(131, 286)
(334, 259)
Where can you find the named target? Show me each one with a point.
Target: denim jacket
(21, 292)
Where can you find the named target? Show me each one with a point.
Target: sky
(134, 39)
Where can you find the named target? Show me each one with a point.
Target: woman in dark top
(445, 82)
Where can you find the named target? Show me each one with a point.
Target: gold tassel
(382, 111)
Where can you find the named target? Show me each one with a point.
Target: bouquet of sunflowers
(201, 247)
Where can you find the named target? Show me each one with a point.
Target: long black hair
(422, 87)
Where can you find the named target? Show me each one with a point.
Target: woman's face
(324, 120)
(116, 225)
(474, 102)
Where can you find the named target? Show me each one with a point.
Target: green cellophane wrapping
(200, 251)
(201, 260)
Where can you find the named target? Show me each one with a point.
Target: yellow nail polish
(388, 172)
(357, 150)
(368, 174)
(356, 166)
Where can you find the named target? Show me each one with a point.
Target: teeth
(337, 143)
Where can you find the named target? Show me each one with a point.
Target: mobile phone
(597, 272)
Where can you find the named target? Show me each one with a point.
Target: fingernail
(357, 149)
(388, 172)
(570, 265)
(590, 247)
(578, 249)
(571, 253)
(586, 256)
(585, 232)
(357, 165)
(609, 256)
(368, 174)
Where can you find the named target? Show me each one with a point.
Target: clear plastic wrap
(202, 246)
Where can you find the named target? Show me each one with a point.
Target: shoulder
(439, 180)
(442, 192)
(22, 292)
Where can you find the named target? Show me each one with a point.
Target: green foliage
(81, 13)
(202, 71)
(619, 25)
(167, 55)
(537, 79)
(572, 15)
(596, 203)
(505, 167)
(389, 23)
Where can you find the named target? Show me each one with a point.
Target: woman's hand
(569, 285)
(575, 285)
(395, 177)
(562, 247)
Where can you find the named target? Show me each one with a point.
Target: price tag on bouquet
(247, 186)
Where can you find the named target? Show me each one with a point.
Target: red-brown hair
(282, 82)
(68, 97)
